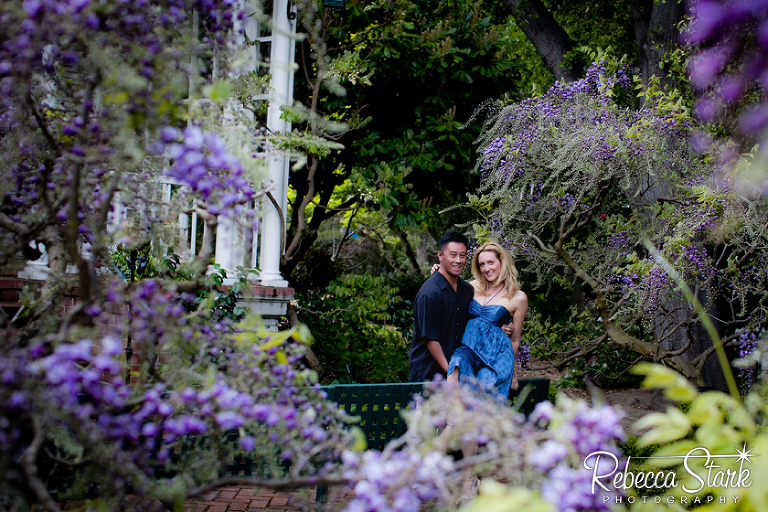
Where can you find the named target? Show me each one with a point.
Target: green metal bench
(379, 406)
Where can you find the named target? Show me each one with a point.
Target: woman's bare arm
(520, 304)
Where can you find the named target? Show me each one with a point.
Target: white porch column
(230, 246)
(281, 67)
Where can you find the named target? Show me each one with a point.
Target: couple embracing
(469, 332)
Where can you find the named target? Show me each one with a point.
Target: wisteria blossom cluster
(92, 98)
(201, 383)
(524, 356)
(202, 162)
(729, 66)
(543, 453)
(45, 34)
(43, 22)
(748, 344)
(556, 109)
(576, 431)
(396, 481)
(582, 178)
(86, 87)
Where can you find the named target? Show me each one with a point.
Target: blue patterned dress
(485, 358)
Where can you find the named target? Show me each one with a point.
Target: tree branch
(617, 334)
(582, 353)
(282, 220)
(541, 245)
(30, 467)
(86, 275)
(346, 235)
(309, 354)
(401, 234)
(41, 124)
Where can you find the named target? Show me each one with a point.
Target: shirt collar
(443, 282)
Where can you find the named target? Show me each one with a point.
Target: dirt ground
(635, 403)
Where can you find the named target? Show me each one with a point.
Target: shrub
(353, 322)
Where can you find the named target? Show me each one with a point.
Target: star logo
(743, 454)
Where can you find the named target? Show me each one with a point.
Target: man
(440, 311)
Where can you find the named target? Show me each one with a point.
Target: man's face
(453, 258)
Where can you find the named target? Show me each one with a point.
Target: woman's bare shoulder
(519, 298)
(476, 285)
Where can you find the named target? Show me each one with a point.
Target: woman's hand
(434, 269)
(514, 383)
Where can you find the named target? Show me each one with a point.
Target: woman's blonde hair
(507, 275)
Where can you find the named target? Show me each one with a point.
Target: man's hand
(436, 350)
(508, 329)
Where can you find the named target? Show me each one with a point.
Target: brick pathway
(250, 499)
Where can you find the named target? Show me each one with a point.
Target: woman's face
(490, 266)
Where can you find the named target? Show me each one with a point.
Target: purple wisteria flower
(396, 481)
(570, 490)
(729, 39)
(748, 341)
(202, 161)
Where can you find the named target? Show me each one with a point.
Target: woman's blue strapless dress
(486, 357)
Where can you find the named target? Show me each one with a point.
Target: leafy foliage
(719, 422)
(427, 66)
(559, 340)
(361, 328)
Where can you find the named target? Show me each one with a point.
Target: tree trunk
(309, 355)
(673, 321)
(655, 24)
(397, 230)
(546, 35)
(52, 289)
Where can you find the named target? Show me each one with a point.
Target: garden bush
(361, 328)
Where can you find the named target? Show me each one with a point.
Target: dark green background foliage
(556, 337)
(362, 328)
(424, 68)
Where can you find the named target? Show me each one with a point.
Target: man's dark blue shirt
(439, 314)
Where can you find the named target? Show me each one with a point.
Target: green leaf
(360, 440)
(667, 427)
(676, 386)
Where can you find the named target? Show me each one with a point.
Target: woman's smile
(489, 265)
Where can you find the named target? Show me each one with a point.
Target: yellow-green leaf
(360, 440)
(676, 386)
(669, 426)
(496, 497)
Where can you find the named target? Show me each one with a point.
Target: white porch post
(281, 67)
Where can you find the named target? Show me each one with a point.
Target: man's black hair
(453, 236)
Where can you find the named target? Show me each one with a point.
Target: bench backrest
(379, 405)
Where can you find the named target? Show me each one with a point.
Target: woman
(487, 355)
